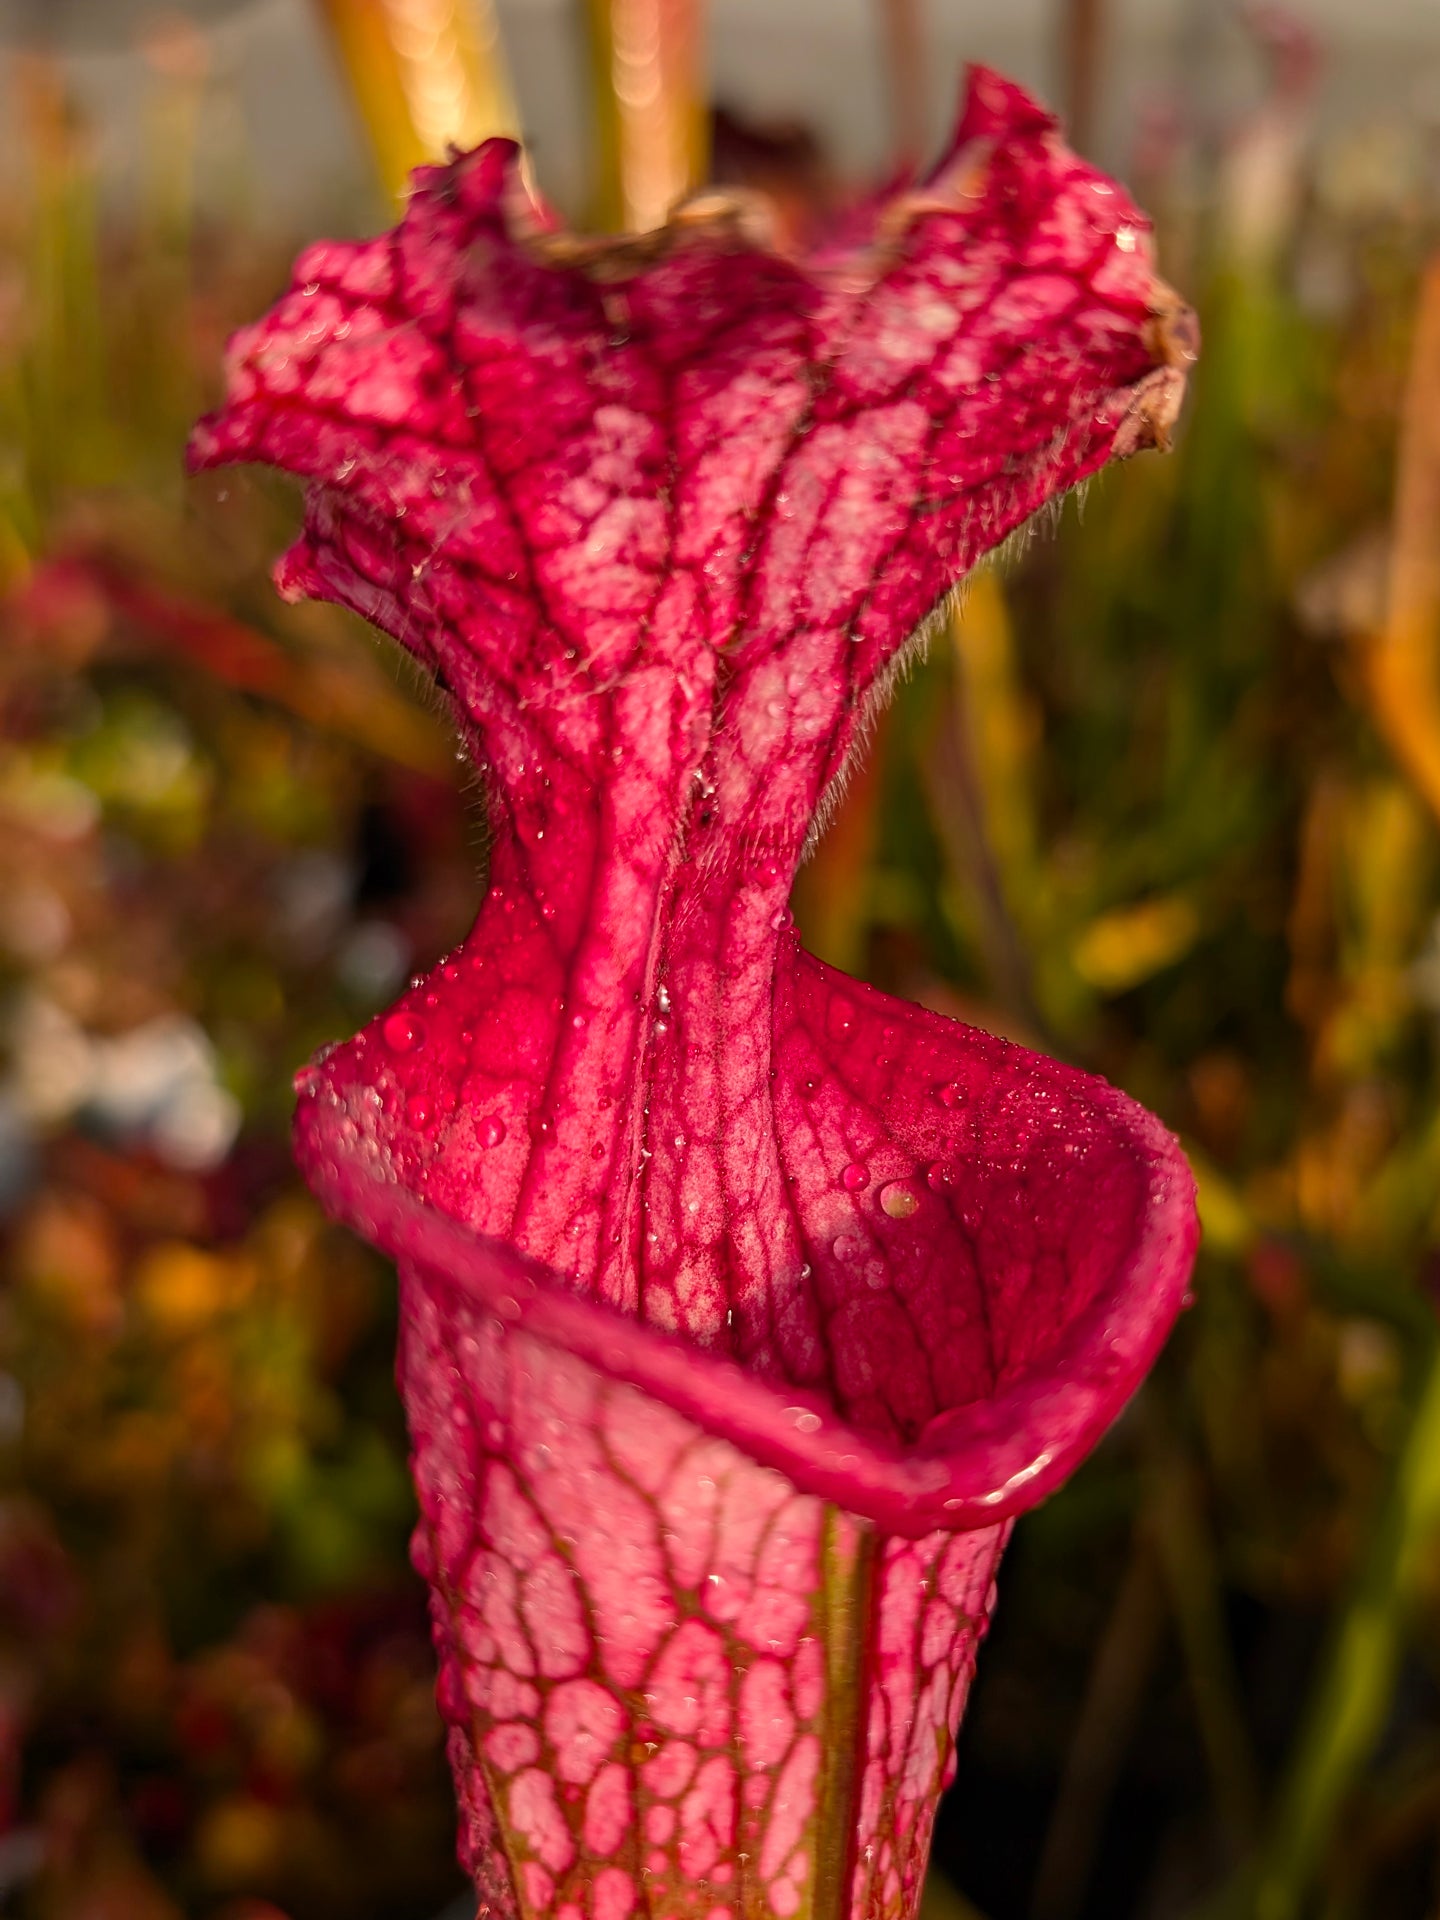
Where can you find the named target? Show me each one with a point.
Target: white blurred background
(276, 118)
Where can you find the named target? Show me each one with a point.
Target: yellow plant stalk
(834, 890)
(1082, 26)
(425, 75)
(905, 59)
(651, 122)
(1002, 723)
(1402, 670)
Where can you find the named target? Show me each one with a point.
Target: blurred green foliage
(1146, 806)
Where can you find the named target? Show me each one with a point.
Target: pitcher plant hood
(743, 1305)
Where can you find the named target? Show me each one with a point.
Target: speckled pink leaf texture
(743, 1306)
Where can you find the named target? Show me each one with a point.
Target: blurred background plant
(1164, 800)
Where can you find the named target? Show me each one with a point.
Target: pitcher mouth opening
(972, 1466)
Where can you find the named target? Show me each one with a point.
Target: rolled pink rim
(972, 1466)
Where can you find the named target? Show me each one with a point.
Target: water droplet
(662, 999)
(805, 1421)
(306, 1080)
(492, 1131)
(402, 1031)
(898, 1200)
(847, 1247)
(941, 1177)
(577, 1021)
(949, 1095)
(417, 1111)
(781, 920)
(855, 1177)
(597, 1152)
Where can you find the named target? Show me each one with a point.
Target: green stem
(1351, 1702)
(1190, 1566)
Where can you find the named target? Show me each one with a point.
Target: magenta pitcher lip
(971, 1467)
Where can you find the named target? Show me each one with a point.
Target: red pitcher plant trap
(742, 1306)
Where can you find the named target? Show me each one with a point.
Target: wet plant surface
(1158, 803)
